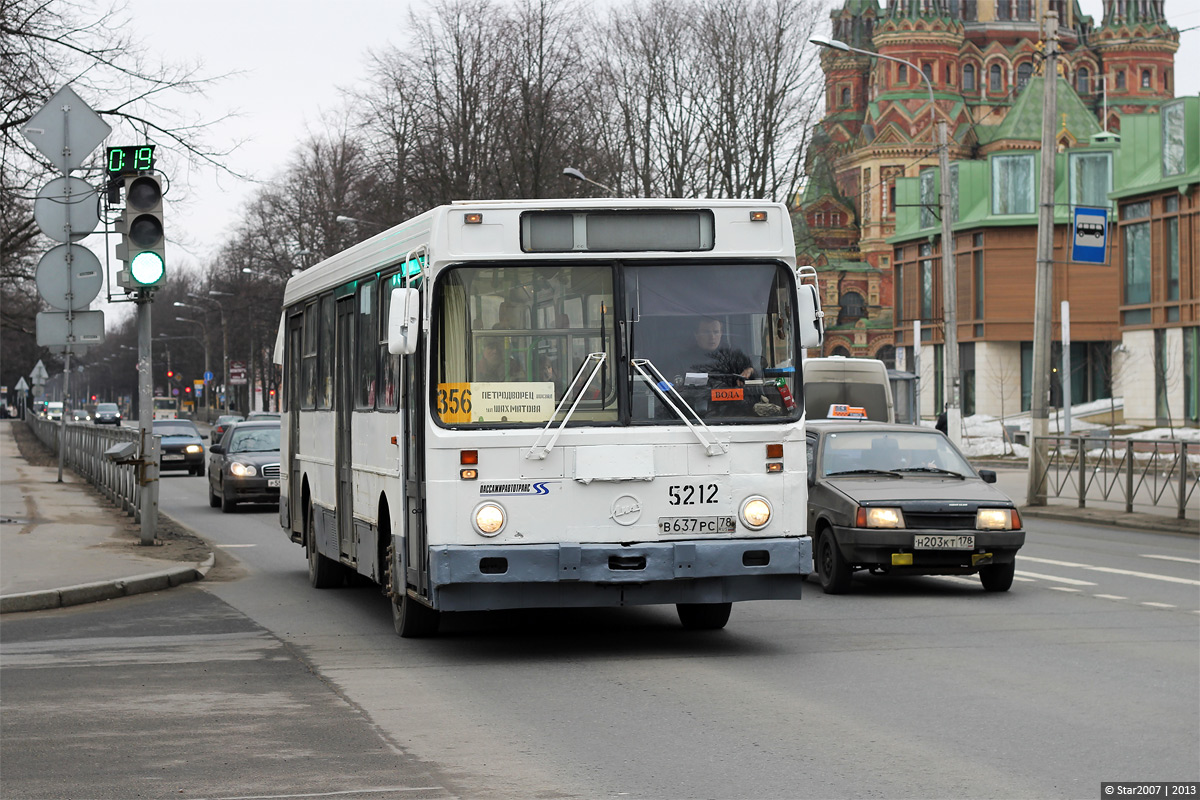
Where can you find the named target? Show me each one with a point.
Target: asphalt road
(252, 684)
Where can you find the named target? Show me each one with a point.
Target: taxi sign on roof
(840, 411)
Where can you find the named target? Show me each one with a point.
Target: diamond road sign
(66, 130)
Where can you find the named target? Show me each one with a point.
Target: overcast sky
(294, 55)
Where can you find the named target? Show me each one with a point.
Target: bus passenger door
(344, 403)
(295, 341)
(415, 527)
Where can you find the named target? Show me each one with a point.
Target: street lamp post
(571, 172)
(224, 342)
(207, 341)
(949, 273)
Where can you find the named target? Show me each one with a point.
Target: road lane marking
(1024, 580)
(1064, 589)
(1113, 571)
(231, 546)
(1172, 558)
(1041, 577)
(956, 579)
(1110, 597)
(1159, 605)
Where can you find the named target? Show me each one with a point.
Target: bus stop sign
(1090, 241)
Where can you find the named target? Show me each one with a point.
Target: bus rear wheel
(411, 618)
(704, 616)
(323, 573)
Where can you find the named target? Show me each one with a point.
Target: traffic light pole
(149, 450)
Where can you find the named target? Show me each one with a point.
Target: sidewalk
(63, 543)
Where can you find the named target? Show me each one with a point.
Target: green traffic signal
(143, 245)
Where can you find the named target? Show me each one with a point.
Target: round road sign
(66, 201)
(82, 276)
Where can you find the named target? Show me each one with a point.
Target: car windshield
(167, 429)
(254, 440)
(917, 451)
(106, 408)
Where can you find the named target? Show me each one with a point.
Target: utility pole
(1044, 282)
(949, 298)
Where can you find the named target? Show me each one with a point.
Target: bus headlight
(995, 519)
(242, 470)
(755, 513)
(489, 519)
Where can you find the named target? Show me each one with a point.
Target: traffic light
(143, 244)
(170, 374)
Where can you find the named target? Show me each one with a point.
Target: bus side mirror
(404, 321)
(812, 318)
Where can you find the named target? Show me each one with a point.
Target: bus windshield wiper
(863, 472)
(539, 451)
(661, 385)
(936, 470)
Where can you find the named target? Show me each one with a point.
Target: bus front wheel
(411, 618)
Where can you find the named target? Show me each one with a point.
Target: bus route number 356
(454, 401)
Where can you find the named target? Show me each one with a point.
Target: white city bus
(506, 404)
(166, 408)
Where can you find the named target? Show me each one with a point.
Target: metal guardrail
(1133, 471)
(85, 444)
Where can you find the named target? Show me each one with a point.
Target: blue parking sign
(1089, 242)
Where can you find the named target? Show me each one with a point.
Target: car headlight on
(997, 519)
(755, 513)
(488, 519)
(193, 448)
(242, 470)
(879, 517)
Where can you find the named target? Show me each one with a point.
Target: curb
(105, 590)
(1115, 519)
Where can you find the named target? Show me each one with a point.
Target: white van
(54, 410)
(849, 381)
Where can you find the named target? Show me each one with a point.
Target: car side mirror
(216, 448)
(987, 475)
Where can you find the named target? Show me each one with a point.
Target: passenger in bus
(491, 364)
(709, 353)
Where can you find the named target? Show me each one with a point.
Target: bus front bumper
(475, 578)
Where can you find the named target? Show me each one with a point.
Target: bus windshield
(512, 339)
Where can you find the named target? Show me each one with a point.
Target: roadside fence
(85, 444)
(1136, 472)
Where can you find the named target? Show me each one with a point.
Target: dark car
(902, 500)
(244, 466)
(222, 424)
(107, 414)
(182, 445)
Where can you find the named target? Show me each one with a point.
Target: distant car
(80, 415)
(182, 445)
(244, 465)
(263, 415)
(53, 410)
(902, 500)
(107, 414)
(222, 424)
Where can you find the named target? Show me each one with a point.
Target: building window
(901, 74)
(1090, 177)
(1137, 254)
(1172, 224)
(1146, 79)
(1083, 81)
(887, 354)
(852, 308)
(977, 289)
(1120, 79)
(845, 96)
(927, 71)
(1024, 72)
(926, 281)
(1024, 10)
(1174, 160)
(929, 199)
(1191, 373)
(949, 75)
(996, 78)
(1012, 184)
(968, 78)
(1004, 9)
